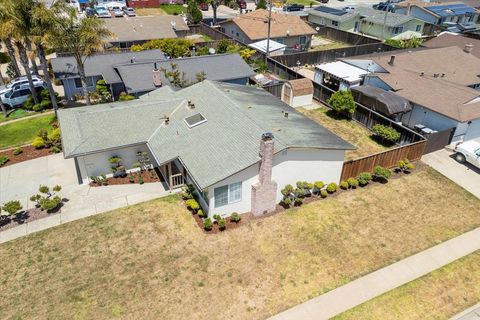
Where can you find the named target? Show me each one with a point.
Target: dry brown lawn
(150, 12)
(439, 295)
(151, 261)
(347, 129)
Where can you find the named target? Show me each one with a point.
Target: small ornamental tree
(386, 133)
(342, 102)
(12, 207)
(208, 224)
(261, 4)
(194, 15)
(47, 199)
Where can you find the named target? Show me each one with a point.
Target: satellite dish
(317, 28)
(211, 51)
(173, 24)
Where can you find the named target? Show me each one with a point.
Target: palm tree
(43, 24)
(6, 33)
(20, 14)
(80, 37)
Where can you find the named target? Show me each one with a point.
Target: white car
(117, 12)
(102, 12)
(18, 94)
(19, 81)
(130, 12)
(469, 151)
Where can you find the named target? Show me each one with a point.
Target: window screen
(221, 196)
(235, 192)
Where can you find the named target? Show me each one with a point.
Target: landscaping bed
(24, 217)
(148, 176)
(28, 153)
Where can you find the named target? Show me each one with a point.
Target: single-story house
(368, 21)
(137, 30)
(238, 146)
(298, 93)
(287, 29)
(133, 72)
(274, 48)
(441, 84)
(448, 39)
(339, 75)
(439, 14)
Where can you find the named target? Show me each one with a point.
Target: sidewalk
(376, 283)
(472, 313)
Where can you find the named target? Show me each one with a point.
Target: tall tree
(6, 34)
(78, 36)
(43, 26)
(20, 14)
(215, 4)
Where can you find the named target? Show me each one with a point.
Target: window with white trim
(78, 82)
(228, 194)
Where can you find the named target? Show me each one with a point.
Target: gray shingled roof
(321, 11)
(378, 17)
(102, 64)
(225, 144)
(138, 77)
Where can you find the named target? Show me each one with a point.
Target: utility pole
(268, 32)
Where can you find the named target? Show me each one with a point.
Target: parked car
(18, 95)
(102, 12)
(19, 81)
(293, 7)
(89, 12)
(468, 151)
(130, 12)
(117, 11)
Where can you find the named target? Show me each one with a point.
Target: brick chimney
(157, 80)
(264, 192)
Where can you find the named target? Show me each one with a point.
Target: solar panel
(451, 9)
(336, 12)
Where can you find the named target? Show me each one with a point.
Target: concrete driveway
(465, 175)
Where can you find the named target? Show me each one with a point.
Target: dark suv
(293, 7)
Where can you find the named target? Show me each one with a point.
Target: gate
(438, 140)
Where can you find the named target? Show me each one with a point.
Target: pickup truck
(468, 151)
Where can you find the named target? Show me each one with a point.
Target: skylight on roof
(195, 120)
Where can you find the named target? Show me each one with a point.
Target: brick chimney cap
(267, 136)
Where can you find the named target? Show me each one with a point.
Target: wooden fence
(387, 159)
(344, 36)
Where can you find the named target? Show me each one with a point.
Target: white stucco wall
(473, 130)
(97, 164)
(289, 166)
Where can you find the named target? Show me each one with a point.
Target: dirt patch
(28, 153)
(148, 176)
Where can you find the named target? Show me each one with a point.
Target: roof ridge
(163, 123)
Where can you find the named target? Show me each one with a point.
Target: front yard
(165, 9)
(439, 295)
(348, 130)
(24, 131)
(151, 261)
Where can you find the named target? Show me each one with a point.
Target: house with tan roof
(287, 29)
(448, 39)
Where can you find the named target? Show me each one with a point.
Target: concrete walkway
(379, 282)
(472, 313)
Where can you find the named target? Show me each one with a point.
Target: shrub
(55, 149)
(54, 136)
(207, 224)
(382, 173)
(187, 192)
(332, 187)
(286, 202)
(50, 204)
(352, 182)
(131, 179)
(47, 200)
(344, 185)
(324, 193)
(38, 143)
(12, 207)
(235, 217)
(405, 165)
(217, 217)
(125, 97)
(193, 13)
(298, 202)
(222, 223)
(192, 204)
(364, 178)
(3, 160)
(287, 190)
(100, 180)
(342, 102)
(318, 185)
(200, 213)
(140, 180)
(17, 151)
(386, 132)
(299, 193)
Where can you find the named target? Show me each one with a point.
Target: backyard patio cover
(385, 102)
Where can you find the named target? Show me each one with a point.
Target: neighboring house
(151, 3)
(368, 21)
(440, 14)
(448, 39)
(137, 30)
(238, 146)
(287, 29)
(298, 93)
(442, 86)
(133, 72)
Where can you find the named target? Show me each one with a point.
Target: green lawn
(173, 8)
(439, 295)
(151, 261)
(16, 114)
(306, 3)
(22, 132)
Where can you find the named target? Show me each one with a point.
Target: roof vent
(132, 60)
(285, 114)
(468, 48)
(166, 119)
(422, 74)
(190, 104)
(267, 136)
(392, 60)
(442, 75)
(436, 75)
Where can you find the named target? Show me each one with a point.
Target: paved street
(465, 175)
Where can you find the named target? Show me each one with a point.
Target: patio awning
(385, 102)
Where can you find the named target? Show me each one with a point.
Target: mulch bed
(26, 216)
(249, 217)
(28, 153)
(148, 176)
